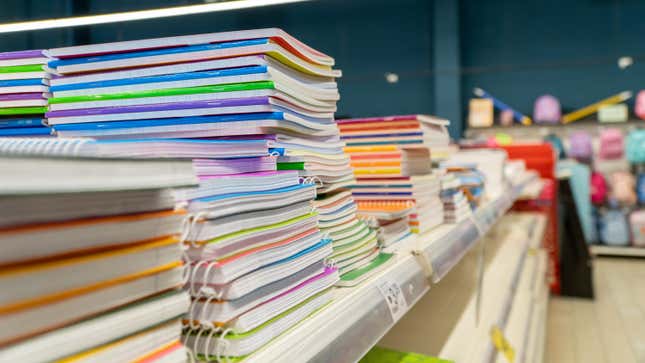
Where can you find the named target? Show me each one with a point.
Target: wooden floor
(607, 330)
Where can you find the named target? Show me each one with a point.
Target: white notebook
(17, 210)
(99, 330)
(53, 239)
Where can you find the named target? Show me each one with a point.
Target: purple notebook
(247, 175)
(22, 96)
(21, 54)
(214, 167)
(231, 102)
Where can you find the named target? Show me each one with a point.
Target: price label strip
(502, 344)
(394, 298)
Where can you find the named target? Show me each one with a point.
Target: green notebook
(22, 111)
(291, 166)
(354, 276)
(18, 69)
(384, 355)
(246, 86)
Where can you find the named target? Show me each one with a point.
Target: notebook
(99, 330)
(211, 167)
(18, 210)
(229, 185)
(239, 345)
(274, 306)
(357, 276)
(159, 339)
(222, 311)
(24, 175)
(222, 205)
(53, 311)
(268, 274)
(225, 270)
(405, 129)
(59, 275)
(204, 230)
(35, 242)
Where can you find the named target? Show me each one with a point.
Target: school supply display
(501, 106)
(613, 227)
(611, 144)
(639, 105)
(635, 148)
(24, 90)
(593, 108)
(598, 188)
(580, 146)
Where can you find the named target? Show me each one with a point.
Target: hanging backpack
(598, 188)
(637, 223)
(623, 188)
(611, 144)
(639, 105)
(580, 146)
(614, 229)
(546, 110)
(557, 145)
(635, 148)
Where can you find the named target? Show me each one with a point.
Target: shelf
(597, 250)
(506, 280)
(360, 316)
(536, 131)
(446, 245)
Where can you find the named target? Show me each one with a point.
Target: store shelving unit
(360, 316)
(598, 250)
(536, 131)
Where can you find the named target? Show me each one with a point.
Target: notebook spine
(386, 205)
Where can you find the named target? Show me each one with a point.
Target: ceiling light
(138, 15)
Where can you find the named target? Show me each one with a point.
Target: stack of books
(392, 161)
(471, 180)
(455, 203)
(24, 89)
(90, 255)
(256, 254)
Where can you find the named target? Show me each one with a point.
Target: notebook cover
(384, 355)
(22, 110)
(23, 68)
(162, 78)
(156, 52)
(245, 86)
(20, 122)
(380, 260)
(25, 131)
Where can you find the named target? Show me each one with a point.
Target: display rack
(537, 131)
(360, 316)
(598, 250)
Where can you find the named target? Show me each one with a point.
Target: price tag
(394, 298)
(502, 344)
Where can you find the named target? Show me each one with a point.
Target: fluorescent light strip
(138, 15)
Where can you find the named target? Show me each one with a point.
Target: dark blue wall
(517, 50)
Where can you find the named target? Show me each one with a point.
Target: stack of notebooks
(391, 157)
(90, 255)
(455, 203)
(406, 131)
(256, 254)
(471, 180)
(24, 89)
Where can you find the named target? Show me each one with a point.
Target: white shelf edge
(359, 316)
(617, 251)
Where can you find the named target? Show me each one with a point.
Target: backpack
(598, 188)
(640, 188)
(611, 144)
(623, 187)
(546, 110)
(637, 223)
(614, 229)
(580, 147)
(557, 145)
(639, 105)
(636, 146)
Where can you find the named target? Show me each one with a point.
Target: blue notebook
(20, 122)
(149, 53)
(163, 78)
(22, 82)
(26, 131)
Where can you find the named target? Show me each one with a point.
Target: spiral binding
(311, 180)
(46, 147)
